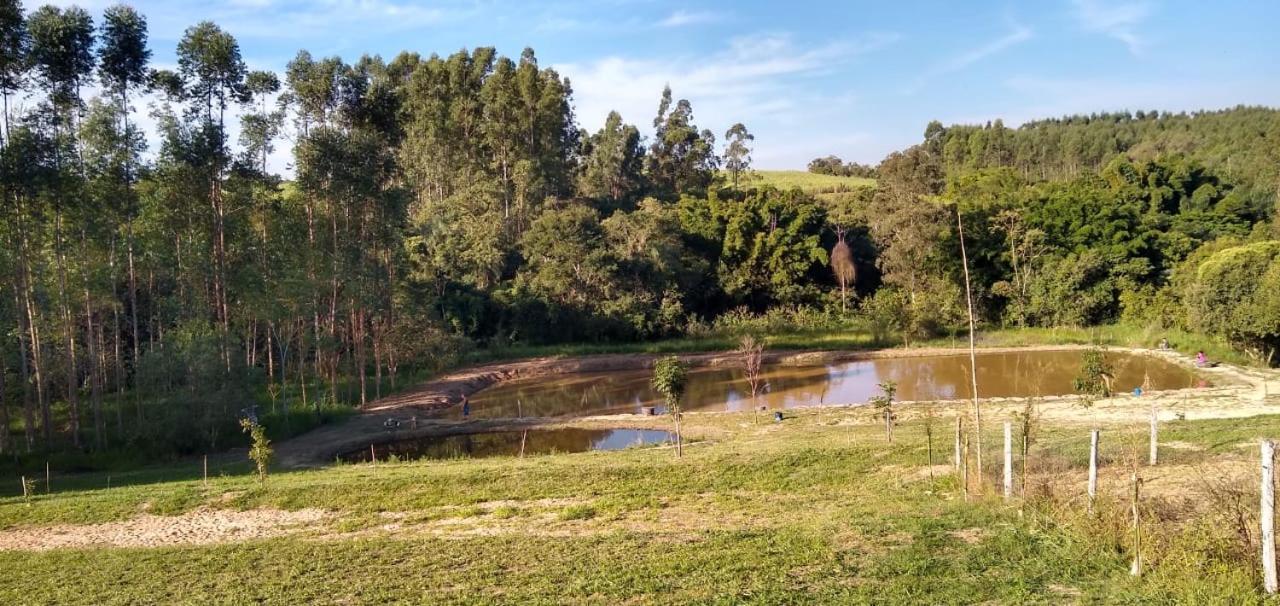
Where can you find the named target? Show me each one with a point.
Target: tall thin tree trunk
(28, 413)
(377, 359)
(973, 357)
(4, 405)
(72, 370)
(37, 360)
(358, 343)
(95, 371)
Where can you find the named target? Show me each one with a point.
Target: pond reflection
(1005, 374)
(512, 443)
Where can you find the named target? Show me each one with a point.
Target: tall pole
(1269, 581)
(1155, 435)
(1093, 468)
(959, 458)
(973, 356)
(1008, 460)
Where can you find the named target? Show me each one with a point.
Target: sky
(851, 78)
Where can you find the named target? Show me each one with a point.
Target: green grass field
(808, 182)
(812, 510)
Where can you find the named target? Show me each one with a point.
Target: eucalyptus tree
(213, 75)
(62, 58)
(62, 52)
(260, 127)
(737, 151)
(612, 163)
(123, 54)
(14, 67)
(682, 159)
(14, 62)
(28, 167)
(110, 149)
(122, 67)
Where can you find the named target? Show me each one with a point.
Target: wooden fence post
(1008, 460)
(1136, 568)
(1269, 581)
(1155, 437)
(206, 470)
(959, 457)
(964, 468)
(1093, 468)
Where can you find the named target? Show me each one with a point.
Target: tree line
(151, 297)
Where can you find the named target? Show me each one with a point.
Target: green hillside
(811, 183)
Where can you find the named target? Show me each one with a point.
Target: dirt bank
(409, 411)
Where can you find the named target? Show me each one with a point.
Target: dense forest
(444, 203)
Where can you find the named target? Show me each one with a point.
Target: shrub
(260, 450)
(1236, 293)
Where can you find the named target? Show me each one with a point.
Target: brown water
(1014, 374)
(512, 443)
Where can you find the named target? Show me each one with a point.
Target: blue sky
(856, 79)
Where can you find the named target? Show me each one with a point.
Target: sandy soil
(198, 527)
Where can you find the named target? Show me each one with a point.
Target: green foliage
(61, 51)
(1235, 294)
(670, 376)
(884, 404)
(613, 160)
(832, 165)
(770, 246)
(1095, 374)
(123, 52)
(682, 159)
(259, 448)
(737, 152)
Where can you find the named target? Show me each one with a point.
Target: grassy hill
(815, 509)
(811, 183)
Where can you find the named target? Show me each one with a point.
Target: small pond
(945, 377)
(512, 443)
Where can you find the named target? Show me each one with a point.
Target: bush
(1236, 293)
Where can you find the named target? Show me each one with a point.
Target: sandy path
(198, 527)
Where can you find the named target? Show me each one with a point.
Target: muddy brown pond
(945, 377)
(512, 443)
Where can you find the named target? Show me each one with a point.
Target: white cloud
(759, 80)
(682, 17)
(1115, 19)
(957, 62)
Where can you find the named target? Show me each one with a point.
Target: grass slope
(817, 509)
(808, 182)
